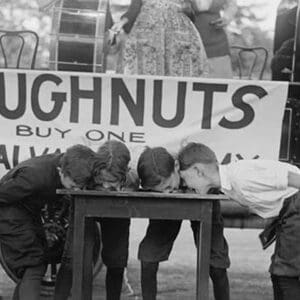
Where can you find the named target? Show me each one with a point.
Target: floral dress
(163, 41)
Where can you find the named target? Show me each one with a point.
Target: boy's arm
(132, 181)
(294, 180)
(22, 184)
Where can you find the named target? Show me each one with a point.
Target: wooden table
(89, 205)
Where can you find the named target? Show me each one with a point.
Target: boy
(114, 175)
(24, 191)
(269, 189)
(159, 172)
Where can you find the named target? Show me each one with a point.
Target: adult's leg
(154, 248)
(220, 67)
(115, 242)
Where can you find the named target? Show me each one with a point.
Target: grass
(248, 274)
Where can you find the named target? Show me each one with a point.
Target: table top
(140, 194)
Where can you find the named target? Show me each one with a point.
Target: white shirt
(261, 185)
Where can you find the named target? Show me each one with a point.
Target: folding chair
(18, 49)
(247, 67)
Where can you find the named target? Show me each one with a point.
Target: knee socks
(149, 280)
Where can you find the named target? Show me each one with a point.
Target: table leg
(203, 259)
(82, 254)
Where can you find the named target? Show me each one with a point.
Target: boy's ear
(59, 170)
(199, 169)
(176, 166)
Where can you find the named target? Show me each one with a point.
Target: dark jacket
(32, 183)
(214, 39)
(284, 27)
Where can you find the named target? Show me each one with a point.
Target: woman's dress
(163, 41)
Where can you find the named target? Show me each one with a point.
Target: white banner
(43, 112)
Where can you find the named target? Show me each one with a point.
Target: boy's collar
(224, 177)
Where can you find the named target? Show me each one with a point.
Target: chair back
(18, 49)
(249, 60)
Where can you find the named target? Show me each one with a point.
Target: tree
(24, 15)
(246, 31)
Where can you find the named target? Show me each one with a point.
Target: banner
(43, 112)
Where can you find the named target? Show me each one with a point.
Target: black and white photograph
(149, 149)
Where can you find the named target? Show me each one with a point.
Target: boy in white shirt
(269, 189)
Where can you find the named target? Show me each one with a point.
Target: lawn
(248, 274)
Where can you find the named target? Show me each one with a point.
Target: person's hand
(112, 37)
(118, 26)
(286, 70)
(220, 22)
(51, 239)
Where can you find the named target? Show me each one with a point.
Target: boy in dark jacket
(24, 191)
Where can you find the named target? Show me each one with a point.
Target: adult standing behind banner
(162, 40)
(212, 28)
(283, 48)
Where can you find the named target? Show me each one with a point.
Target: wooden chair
(18, 48)
(247, 67)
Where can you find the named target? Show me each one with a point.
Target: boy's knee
(150, 266)
(217, 273)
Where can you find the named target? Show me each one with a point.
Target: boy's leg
(219, 257)
(285, 287)
(115, 242)
(23, 246)
(220, 283)
(113, 282)
(64, 278)
(154, 248)
(30, 285)
(149, 280)
(285, 262)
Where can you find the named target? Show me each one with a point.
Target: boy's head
(198, 167)
(117, 156)
(77, 166)
(158, 170)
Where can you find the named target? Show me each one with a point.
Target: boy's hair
(195, 153)
(154, 164)
(78, 162)
(117, 157)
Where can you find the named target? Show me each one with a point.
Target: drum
(78, 35)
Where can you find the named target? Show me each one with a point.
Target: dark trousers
(23, 247)
(286, 288)
(157, 245)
